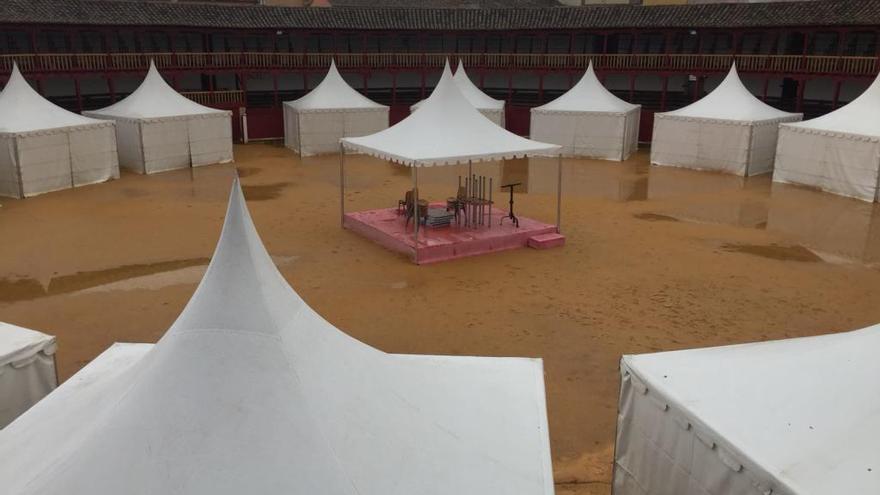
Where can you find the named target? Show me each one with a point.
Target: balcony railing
(215, 98)
(694, 63)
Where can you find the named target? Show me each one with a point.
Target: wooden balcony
(268, 61)
(216, 98)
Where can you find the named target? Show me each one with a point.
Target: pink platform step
(546, 241)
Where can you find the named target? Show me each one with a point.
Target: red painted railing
(692, 63)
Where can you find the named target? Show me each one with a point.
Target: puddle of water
(774, 251)
(655, 217)
(247, 171)
(20, 289)
(24, 289)
(263, 192)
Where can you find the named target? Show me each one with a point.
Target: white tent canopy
(333, 110)
(159, 129)
(788, 417)
(251, 391)
(728, 130)
(490, 107)
(44, 147)
(838, 152)
(27, 370)
(446, 130)
(588, 120)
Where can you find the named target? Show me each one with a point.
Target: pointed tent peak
(860, 116)
(588, 95)
(474, 95)
(460, 66)
(447, 69)
(154, 99)
(22, 109)
(333, 93)
(731, 100)
(242, 289)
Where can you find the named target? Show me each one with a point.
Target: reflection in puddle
(22, 289)
(247, 171)
(775, 252)
(147, 276)
(263, 192)
(829, 224)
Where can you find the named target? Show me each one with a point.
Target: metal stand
(558, 194)
(342, 185)
(510, 214)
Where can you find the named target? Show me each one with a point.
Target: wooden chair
(458, 203)
(408, 208)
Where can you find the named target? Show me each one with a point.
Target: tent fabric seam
(749, 465)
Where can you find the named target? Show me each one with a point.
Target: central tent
(446, 130)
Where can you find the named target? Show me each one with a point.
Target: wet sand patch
(655, 217)
(774, 252)
(247, 171)
(263, 192)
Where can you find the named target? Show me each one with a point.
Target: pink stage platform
(386, 227)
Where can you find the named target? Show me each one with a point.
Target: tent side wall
(631, 136)
(701, 144)
(44, 162)
(23, 384)
(842, 164)
(583, 134)
(93, 155)
(166, 144)
(762, 148)
(495, 115)
(130, 145)
(291, 128)
(210, 139)
(319, 132)
(663, 449)
(9, 179)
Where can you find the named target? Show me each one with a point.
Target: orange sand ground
(656, 259)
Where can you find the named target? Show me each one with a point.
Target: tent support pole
(559, 194)
(415, 206)
(342, 185)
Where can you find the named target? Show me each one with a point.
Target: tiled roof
(103, 12)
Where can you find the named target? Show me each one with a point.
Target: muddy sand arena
(656, 259)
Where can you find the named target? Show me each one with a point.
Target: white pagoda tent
(44, 147)
(27, 370)
(728, 130)
(788, 417)
(314, 123)
(447, 130)
(159, 129)
(251, 391)
(490, 107)
(838, 152)
(588, 121)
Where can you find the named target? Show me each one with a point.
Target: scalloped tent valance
(446, 130)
